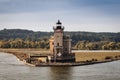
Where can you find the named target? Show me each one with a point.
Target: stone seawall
(71, 64)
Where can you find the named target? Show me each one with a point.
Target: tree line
(20, 43)
(102, 45)
(44, 44)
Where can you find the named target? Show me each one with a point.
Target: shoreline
(66, 64)
(21, 56)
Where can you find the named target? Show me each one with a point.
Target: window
(57, 44)
(52, 43)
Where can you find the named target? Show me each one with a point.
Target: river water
(12, 69)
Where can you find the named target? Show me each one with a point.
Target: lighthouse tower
(60, 45)
(58, 38)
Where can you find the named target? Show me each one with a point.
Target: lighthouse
(60, 45)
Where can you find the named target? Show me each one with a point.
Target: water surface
(12, 69)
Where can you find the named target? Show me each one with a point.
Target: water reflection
(60, 73)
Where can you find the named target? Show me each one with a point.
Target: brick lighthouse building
(60, 45)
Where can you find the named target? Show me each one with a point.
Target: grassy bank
(96, 56)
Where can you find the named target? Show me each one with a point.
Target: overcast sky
(75, 15)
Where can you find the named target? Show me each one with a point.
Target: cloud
(19, 6)
(90, 15)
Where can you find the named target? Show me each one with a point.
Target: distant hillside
(17, 38)
(7, 34)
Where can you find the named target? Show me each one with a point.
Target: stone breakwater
(71, 64)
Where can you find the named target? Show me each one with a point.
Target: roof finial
(58, 22)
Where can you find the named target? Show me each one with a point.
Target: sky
(75, 15)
